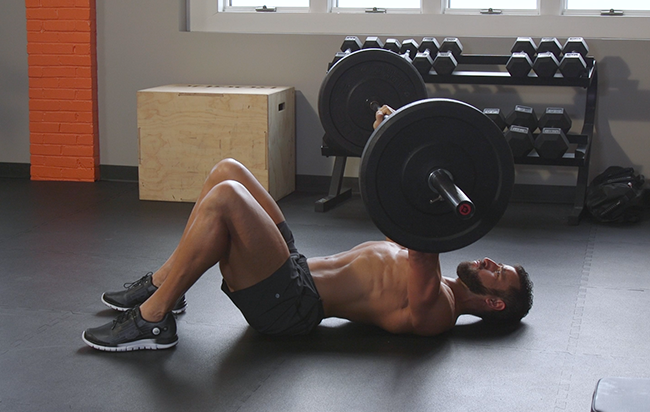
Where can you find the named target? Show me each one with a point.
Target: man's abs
(365, 284)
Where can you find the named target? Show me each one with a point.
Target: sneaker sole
(123, 309)
(148, 344)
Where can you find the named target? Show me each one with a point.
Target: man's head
(506, 290)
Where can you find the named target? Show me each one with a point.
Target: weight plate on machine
(356, 80)
(417, 139)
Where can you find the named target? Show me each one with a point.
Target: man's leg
(227, 169)
(229, 226)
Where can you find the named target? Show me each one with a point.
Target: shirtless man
(237, 224)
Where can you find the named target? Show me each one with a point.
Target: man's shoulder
(438, 317)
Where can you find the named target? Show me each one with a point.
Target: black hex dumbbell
(373, 42)
(409, 46)
(573, 63)
(546, 64)
(525, 45)
(446, 59)
(350, 45)
(423, 60)
(550, 44)
(393, 45)
(497, 116)
(407, 50)
(523, 116)
(520, 140)
(555, 117)
(551, 143)
(519, 64)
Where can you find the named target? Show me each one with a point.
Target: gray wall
(14, 98)
(143, 44)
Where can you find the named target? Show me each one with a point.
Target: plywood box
(184, 130)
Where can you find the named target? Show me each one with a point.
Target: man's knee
(225, 194)
(226, 169)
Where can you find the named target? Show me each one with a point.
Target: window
(456, 18)
(268, 3)
(608, 4)
(380, 4)
(494, 4)
(271, 3)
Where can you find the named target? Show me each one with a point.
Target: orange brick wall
(63, 125)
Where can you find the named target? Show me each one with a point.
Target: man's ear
(495, 304)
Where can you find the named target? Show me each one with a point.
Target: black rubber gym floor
(63, 244)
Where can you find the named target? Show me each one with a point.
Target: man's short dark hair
(518, 300)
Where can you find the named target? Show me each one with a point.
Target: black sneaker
(135, 294)
(130, 332)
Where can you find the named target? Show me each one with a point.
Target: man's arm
(424, 289)
(381, 114)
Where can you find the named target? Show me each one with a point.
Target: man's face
(482, 275)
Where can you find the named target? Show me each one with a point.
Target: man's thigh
(256, 247)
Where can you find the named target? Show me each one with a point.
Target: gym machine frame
(579, 152)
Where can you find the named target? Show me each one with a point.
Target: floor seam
(568, 364)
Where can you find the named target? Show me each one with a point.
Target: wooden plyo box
(184, 130)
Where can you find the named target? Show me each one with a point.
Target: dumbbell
(497, 116)
(573, 63)
(555, 117)
(522, 56)
(523, 116)
(549, 53)
(350, 45)
(393, 45)
(409, 46)
(551, 143)
(520, 140)
(546, 64)
(408, 50)
(519, 64)
(373, 42)
(446, 59)
(423, 60)
(522, 123)
(525, 45)
(550, 44)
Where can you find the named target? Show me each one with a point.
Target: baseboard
(543, 194)
(316, 184)
(321, 184)
(118, 173)
(521, 193)
(15, 170)
(113, 173)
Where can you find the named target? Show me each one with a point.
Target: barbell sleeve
(441, 182)
(374, 105)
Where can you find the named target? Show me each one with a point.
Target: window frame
(550, 19)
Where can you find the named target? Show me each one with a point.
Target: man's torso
(369, 284)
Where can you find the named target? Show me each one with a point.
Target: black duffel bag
(616, 195)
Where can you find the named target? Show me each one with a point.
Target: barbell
(437, 174)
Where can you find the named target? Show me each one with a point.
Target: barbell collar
(440, 181)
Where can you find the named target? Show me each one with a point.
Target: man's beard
(469, 276)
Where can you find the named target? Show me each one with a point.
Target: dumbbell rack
(579, 152)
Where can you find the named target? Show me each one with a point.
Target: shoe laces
(123, 317)
(138, 282)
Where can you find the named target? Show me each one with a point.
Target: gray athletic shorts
(285, 303)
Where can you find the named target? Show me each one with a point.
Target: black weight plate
(415, 140)
(356, 79)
